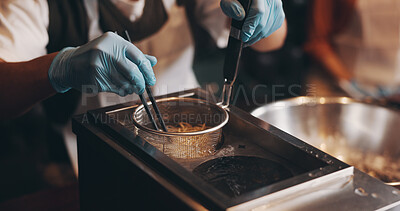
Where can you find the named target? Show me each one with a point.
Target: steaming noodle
(184, 127)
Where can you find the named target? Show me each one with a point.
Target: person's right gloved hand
(108, 64)
(264, 18)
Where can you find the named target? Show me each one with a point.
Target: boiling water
(235, 175)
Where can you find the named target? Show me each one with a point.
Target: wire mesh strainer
(184, 144)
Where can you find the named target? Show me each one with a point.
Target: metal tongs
(153, 103)
(232, 56)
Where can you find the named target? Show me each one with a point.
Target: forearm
(272, 42)
(323, 53)
(335, 67)
(24, 84)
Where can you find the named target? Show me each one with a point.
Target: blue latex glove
(106, 64)
(361, 91)
(264, 18)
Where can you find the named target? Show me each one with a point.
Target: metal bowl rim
(304, 100)
(213, 129)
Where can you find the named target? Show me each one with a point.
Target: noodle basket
(190, 111)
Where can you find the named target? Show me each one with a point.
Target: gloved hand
(361, 91)
(108, 64)
(264, 18)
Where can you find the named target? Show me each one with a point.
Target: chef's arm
(272, 42)
(23, 84)
(107, 64)
(322, 52)
(320, 35)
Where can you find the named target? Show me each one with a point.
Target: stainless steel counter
(108, 145)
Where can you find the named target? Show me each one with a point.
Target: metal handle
(232, 56)
(226, 96)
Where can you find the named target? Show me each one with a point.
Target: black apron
(153, 18)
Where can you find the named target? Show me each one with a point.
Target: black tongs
(155, 107)
(153, 103)
(232, 56)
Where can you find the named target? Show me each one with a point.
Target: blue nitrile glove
(106, 64)
(360, 90)
(264, 18)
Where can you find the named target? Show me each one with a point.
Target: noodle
(184, 127)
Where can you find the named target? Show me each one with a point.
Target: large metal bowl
(364, 135)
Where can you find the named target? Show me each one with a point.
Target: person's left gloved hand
(264, 18)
